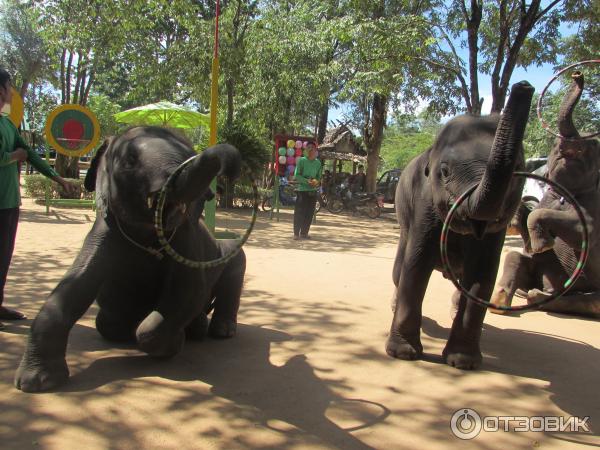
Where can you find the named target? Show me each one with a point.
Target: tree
(498, 36)
(21, 47)
(382, 38)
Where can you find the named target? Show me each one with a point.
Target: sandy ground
(308, 367)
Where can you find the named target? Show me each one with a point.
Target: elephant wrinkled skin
(468, 150)
(143, 295)
(553, 233)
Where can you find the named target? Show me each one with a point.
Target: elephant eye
(444, 170)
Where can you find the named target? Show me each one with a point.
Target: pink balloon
(291, 160)
(298, 152)
(298, 144)
(304, 144)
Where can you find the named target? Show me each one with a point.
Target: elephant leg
(397, 271)
(413, 273)
(197, 328)
(162, 333)
(227, 292)
(43, 365)
(115, 326)
(546, 224)
(480, 267)
(518, 273)
(587, 305)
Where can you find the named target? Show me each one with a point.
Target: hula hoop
(545, 126)
(160, 232)
(566, 286)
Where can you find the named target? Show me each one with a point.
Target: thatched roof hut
(339, 144)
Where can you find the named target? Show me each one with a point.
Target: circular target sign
(14, 109)
(72, 130)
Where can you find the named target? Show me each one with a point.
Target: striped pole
(210, 207)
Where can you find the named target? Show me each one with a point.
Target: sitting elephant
(468, 150)
(553, 233)
(142, 293)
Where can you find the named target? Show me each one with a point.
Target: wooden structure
(340, 145)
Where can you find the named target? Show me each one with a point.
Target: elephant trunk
(486, 202)
(566, 127)
(195, 179)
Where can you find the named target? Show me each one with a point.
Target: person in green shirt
(308, 177)
(13, 151)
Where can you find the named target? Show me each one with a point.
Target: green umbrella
(165, 114)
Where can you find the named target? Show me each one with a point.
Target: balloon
(298, 152)
(291, 161)
(298, 159)
(282, 159)
(298, 144)
(290, 170)
(304, 144)
(290, 144)
(290, 152)
(282, 151)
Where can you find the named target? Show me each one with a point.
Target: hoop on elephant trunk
(535, 305)
(160, 232)
(545, 125)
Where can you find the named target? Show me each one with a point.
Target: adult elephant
(142, 294)
(468, 150)
(553, 232)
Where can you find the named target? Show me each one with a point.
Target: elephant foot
(461, 357)
(222, 328)
(157, 342)
(198, 328)
(37, 376)
(404, 347)
(500, 298)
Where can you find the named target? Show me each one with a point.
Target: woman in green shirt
(13, 150)
(308, 177)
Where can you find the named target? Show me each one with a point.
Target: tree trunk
(230, 93)
(374, 138)
(322, 123)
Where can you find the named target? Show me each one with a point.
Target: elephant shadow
(541, 356)
(239, 370)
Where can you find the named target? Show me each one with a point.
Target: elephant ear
(92, 173)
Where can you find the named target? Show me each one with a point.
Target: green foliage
(23, 52)
(105, 109)
(255, 151)
(35, 187)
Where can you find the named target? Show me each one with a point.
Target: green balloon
(282, 151)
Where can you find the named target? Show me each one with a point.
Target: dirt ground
(308, 367)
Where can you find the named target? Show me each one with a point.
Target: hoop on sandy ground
(566, 286)
(160, 232)
(545, 126)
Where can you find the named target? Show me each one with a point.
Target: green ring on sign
(72, 130)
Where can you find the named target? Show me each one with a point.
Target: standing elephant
(142, 293)
(553, 228)
(468, 150)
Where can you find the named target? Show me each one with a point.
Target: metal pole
(210, 208)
